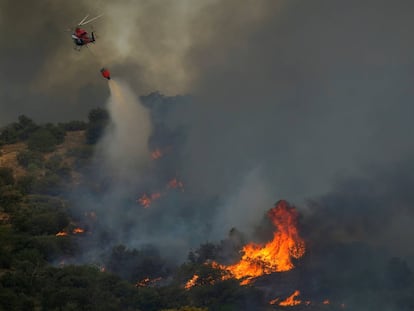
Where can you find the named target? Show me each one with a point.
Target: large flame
(191, 282)
(78, 230)
(275, 256)
(291, 300)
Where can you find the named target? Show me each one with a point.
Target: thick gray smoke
(287, 96)
(307, 92)
(376, 209)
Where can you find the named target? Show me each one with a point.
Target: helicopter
(80, 36)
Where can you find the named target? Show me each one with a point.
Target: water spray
(125, 146)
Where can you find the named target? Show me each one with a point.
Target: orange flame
(275, 256)
(147, 282)
(326, 302)
(273, 301)
(143, 282)
(291, 301)
(61, 233)
(78, 230)
(146, 200)
(191, 282)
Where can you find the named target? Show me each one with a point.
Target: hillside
(69, 230)
(42, 235)
(8, 153)
(8, 158)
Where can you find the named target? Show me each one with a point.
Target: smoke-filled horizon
(287, 98)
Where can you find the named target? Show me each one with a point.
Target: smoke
(124, 148)
(376, 209)
(287, 96)
(305, 96)
(245, 208)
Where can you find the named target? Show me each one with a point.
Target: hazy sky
(288, 95)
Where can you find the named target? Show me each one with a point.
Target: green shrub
(28, 158)
(18, 131)
(54, 162)
(74, 126)
(57, 131)
(51, 184)
(42, 141)
(6, 176)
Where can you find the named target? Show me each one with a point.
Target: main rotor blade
(80, 23)
(91, 20)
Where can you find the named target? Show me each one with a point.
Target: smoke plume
(124, 147)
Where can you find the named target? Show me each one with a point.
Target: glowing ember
(273, 301)
(143, 283)
(156, 154)
(175, 184)
(291, 300)
(191, 282)
(61, 233)
(78, 230)
(144, 200)
(275, 256)
(148, 282)
(326, 302)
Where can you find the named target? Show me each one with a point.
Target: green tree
(42, 140)
(17, 131)
(26, 127)
(74, 125)
(57, 131)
